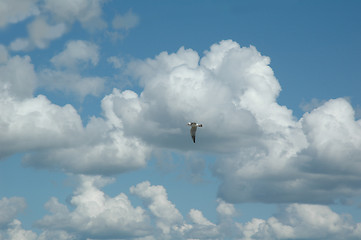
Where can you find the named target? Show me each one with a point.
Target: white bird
(194, 126)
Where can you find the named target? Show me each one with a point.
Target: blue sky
(95, 97)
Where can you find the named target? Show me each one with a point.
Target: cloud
(165, 212)
(20, 44)
(35, 124)
(263, 152)
(75, 53)
(122, 24)
(301, 221)
(41, 33)
(115, 61)
(16, 232)
(127, 21)
(18, 77)
(178, 90)
(309, 106)
(71, 83)
(14, 11)
(27, 122)
(55, 135)
(9, 208)
(88, 13)
(10, 228)
(267, 155)
(61, 15)
(3, 54)
(95, 214)
(66, 77)
(100, 148)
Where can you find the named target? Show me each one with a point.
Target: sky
(95, 97)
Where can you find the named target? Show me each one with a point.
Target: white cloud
(3, 54)
(117, 62)
(309, 106)
(334, 137)
(71, 83)
(16, 232)
(63, 15)
(267, 154)
(76, 53)
(87, 12)
(201, 227)
(100, 148)
(41, 33)
(13, 11)
(10, 228)
(122, 24)
(9, 208)
(302, 221)
(165, 212)
(35, 123)
(95, 214)
(225, 209)
(29, 123)
(20, 44)
(55, 135)
(18, 78)
(127, 21)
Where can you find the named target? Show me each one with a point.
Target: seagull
(194, 126)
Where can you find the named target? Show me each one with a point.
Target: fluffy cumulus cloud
(301, 221)
(267, 154)
(95, 215)
(55, 135)
(29, 123)
(264, 153)
(10, 227)
(9, 208)
(92, 214)
(18, 78)
(165, 212)
(99, 148)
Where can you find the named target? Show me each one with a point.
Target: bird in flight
(194, 126)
